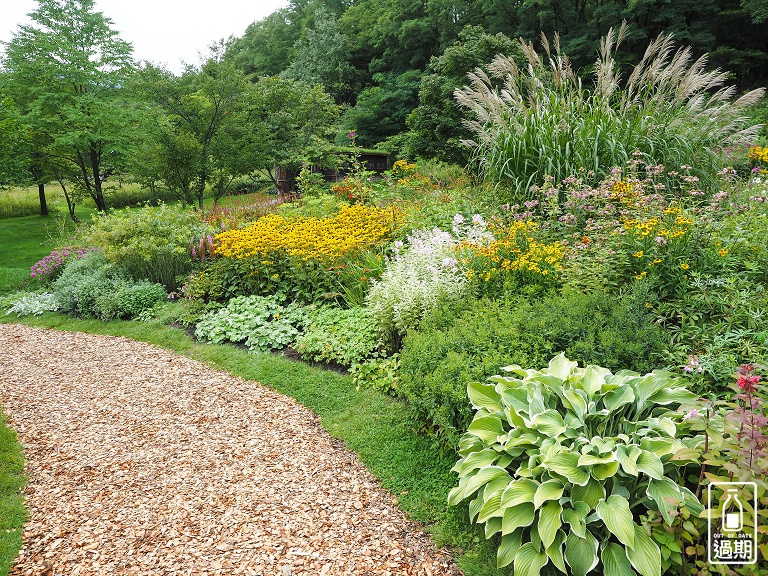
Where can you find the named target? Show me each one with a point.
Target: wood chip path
(141, 462)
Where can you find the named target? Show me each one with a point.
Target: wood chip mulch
(141, 462)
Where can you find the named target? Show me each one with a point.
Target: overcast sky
(162, 31)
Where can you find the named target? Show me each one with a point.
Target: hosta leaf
(592, 381)
(549, 522)
(549, 422)
(491, 507)
(677, 395)
(591, 460)
(667, 496)
(647, 386)
(484, 396)
(581, 553)
(578, 403)
(660, 446)
(555, 551)
(475, 506)
(603, 471)
(484, 476)
(627, 457)
(529, 561)
(516, 517)
(549, 490)
(649, 463)
(615, 561)
(519, 492)
(560, 367)
(618, 398)
(566, 465)
(614, 512)
(487, 428)
(492, 527)
(476, 460)
(577, 518)
(591, 493)
(508, 548)
(646, 555)
(686, 455)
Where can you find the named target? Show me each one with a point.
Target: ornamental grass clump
(562, 462)
(544, 121)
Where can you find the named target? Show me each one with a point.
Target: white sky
(161, 31)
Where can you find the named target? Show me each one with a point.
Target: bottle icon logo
(733, 512)
(732, 537)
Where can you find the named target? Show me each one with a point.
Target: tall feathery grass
(542, 120)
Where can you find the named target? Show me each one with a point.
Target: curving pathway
(142, 462)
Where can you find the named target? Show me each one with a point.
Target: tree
(67, 71)
(297, 121)
(322, 57)
(14, 159)
(266, 47)
(436, 129)
(203, 107)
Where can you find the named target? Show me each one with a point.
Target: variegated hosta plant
(562, 462)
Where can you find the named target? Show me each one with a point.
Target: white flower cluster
(422, 275)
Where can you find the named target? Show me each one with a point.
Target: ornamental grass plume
(543, 121)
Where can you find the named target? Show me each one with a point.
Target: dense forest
(393, 65)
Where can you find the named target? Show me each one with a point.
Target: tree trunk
(43, 203)
(98, 195)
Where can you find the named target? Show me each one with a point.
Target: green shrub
(458, 345)
(333, 334)
(26, 303)
(379, 372)
(129, 300)
(151, 243)
(259, 322)
(561, 461)
(83, 282)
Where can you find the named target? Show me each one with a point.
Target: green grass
(12, 480)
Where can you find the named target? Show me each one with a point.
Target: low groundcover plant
(563, 461)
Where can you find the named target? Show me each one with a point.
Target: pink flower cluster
(746, 380)
(56, 259)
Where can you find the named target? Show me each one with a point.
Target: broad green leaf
(650, 464)
(627, 457)
(603, 471)
(560, 367)
(615, 561)
(492, 527)
(591, 460)
(510, 544)
(577, 518)
(618, 398)
(529, 561)
(614, 511)
(578, 403)
(646, 555)
(566, 465)
(484, 396)
(476, 460)
(677, 395)
(660, 446)
(592, 381)
(517, 516)
(476, 505)
(591, 493)
(549, 490)
(487, 428)
(484, 476)
(555, 551)
(549, 522)
(686, 455)
(581, 553)
(491, 507)
(647, 386)
(549, 422)
(667, 496)
(519, 492)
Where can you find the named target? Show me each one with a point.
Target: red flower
(748, 383)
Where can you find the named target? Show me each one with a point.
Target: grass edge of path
(12, 481)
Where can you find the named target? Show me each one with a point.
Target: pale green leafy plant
(562, 462)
